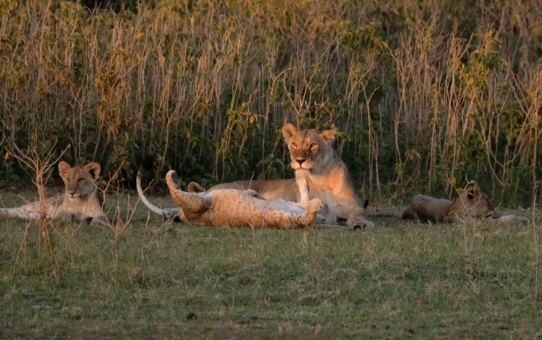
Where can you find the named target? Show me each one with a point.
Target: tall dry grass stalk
(421, 92)
(41, 162)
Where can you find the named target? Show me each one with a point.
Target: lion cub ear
(328, 135)
(288, 130)
(63, 169)
(93, 169)
(472, 189)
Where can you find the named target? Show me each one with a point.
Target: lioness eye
(313, 145)
(294, 145)
(80, 180)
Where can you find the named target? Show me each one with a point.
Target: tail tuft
(146, 165)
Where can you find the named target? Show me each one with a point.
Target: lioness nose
(72, 193)
(300, 160)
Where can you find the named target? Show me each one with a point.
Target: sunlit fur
(81, 200)
(472, 205)
(313, 158)
(239, 208)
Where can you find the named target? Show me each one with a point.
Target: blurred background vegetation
(426, 94)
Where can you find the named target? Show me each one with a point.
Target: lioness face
(309, 147)
(473, 201)
(79, 180)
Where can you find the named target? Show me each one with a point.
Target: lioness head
(309, 148)
(80, 181)
(472, 202)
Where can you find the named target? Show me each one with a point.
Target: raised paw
(315, 205)
(252, 193)
(173, 179)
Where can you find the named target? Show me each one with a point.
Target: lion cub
(471, 205)
(80, 202)
(238, 208)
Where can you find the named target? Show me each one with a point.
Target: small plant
(41, 163)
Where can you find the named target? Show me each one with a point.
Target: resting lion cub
(80, 202)
(238, 208)
(471, 205)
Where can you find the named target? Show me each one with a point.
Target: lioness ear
(93, 169)
(288, 130)
(328, 135)
(63, 169)
(472, 189)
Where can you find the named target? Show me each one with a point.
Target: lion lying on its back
(472, 205)
(238, 208)
(81, 200)
(314, 159)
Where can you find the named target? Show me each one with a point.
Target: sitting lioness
(238, 208)
(81, 200)
(314, 159)
(471, 205)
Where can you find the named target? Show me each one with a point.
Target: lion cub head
(309, 149)
(80, 181)
(472, 202)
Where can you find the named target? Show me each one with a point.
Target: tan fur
(471, 205)
(314, 159)
(81, 200)
(237, 208)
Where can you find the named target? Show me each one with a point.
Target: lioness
(81, 200)
(314, 159)
(471, 205)
(238, 208)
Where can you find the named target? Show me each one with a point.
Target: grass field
(397, 280)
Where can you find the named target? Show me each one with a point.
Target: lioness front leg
(358, 221)
(101, 219)
(190, 202)
(303, 192)
(20, 212)
(289, 220)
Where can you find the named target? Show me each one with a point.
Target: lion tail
(145, 166)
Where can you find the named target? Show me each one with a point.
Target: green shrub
(425, 95)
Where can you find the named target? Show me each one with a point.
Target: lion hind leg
(192, 203)
(409, 213)
(288, 220)
(508, 220)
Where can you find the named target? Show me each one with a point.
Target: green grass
(394, 281)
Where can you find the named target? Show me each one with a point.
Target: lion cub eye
(294, 145)
(313, 145)
(79, 180)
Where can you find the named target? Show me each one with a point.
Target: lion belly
(236, 208)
